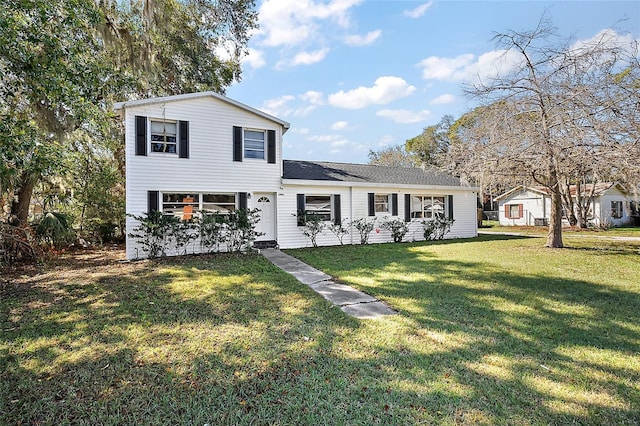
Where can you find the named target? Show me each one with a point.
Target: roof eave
(309, 182)
(118, 106)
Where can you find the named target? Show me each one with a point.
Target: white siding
(210, 166)
(354, 205)
(534, 206)
(603, 208)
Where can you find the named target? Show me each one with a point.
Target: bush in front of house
(398, 228)
(158, 233)
(364, 227)
(436, 228)
(312, 225)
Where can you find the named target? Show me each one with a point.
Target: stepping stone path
(351, 301)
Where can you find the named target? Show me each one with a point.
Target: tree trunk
(22, 201)
(555, 222)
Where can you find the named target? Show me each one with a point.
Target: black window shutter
(237, 143)
(372, 205)
(450, 206)
(300, 209)
(153, 201)
(394, 204)
(271, 146)
(407, 207)
(337, 210)
(242, 200)
(183, 149)
(141, 135)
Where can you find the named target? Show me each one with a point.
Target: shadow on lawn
(167, 342)
(532, 347)
(235, 341)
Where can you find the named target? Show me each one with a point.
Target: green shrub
(397, 227)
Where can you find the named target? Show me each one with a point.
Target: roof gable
(189, 96)
(348, 172)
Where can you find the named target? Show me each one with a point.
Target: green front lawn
(491, 330)
(625, 231)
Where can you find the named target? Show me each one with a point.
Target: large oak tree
(63, 63)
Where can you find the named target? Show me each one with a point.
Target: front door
(267, 224)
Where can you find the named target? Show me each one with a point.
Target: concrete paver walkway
(351, 301)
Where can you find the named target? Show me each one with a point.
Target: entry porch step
(265, 244)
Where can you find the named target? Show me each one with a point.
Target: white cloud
(293, 22)
(308, 58)
(339, 125)
(278, 107)
(362, 40)
(254, 59)
(418, 11)
(404, 116)
(384, 90)
(607, 39)
(313, 97)
(286, 105)
(466, 67)
(443, 99)
(437, 68)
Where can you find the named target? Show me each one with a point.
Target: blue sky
(353, 75)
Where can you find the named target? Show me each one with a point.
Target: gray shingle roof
(347, 172)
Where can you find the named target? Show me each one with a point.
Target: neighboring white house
(522, 205)
(204, 151)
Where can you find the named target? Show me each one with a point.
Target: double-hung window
(218, 203)
(254, 146)
(513, 211)
(381, 203)
(182, 205)
(186, 205)
(616, 209)
(427, 206)
(318, 206)
(164, 136)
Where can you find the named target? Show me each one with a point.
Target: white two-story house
(205, 152)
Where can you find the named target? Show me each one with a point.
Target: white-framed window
(616, 209)
(218, 203)
(254, 143)
(164, 136)
(183, 205)
(319, 206)
(382, 203)
(514, 211)
(428, 206)
(186, 205)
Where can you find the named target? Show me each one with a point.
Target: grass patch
(628, 231)
(494, 330)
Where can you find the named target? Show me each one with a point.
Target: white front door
(267, 224)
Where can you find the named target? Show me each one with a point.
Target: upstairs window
(164, 136)
(254, 144)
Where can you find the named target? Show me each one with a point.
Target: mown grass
(625, 231)
(490, 331)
